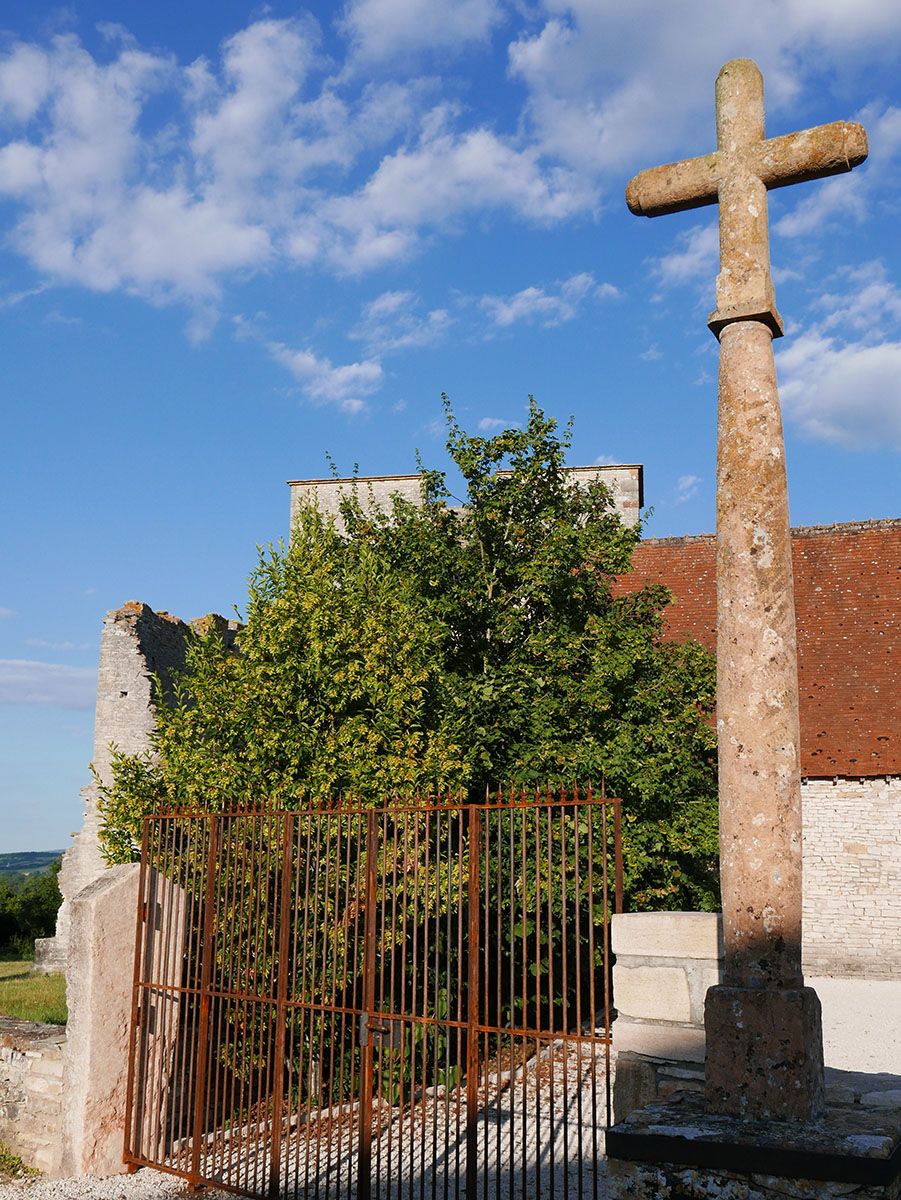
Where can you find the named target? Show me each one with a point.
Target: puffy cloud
(696, 257)
(616, 86)
(381, 30)
(393, 321)
(345, 386)
(537, 305)
(846, 394)
(46, 685)
(6, 613)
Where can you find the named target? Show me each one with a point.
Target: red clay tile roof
(849, 656)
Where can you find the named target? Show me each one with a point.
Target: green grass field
(32, 997)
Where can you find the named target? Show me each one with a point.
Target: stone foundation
(673, 1150)
(31, 1091)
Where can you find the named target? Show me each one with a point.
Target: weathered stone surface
(684, 1043)
(757, 677)
(31, 1091)
(625, 484)
(137, 646)
(770, 1039)
(847, 1152)
(667, 934)
(99, 988)
(657, 993)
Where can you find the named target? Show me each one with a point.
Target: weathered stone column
(764, 1039)
(763, 1026)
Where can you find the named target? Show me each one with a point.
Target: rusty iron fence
(411, 1000)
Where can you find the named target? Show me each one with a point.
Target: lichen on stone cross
(745, 165)
(764, 1035)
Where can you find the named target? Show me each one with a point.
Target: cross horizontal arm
(691, 183)
(796, 157)
(810, 154)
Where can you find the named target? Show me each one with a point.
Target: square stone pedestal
(674, 1150)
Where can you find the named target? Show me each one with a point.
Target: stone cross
(764, 1036)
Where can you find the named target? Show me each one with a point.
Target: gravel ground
(143, 1185)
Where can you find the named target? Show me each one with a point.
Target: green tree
(440, 648)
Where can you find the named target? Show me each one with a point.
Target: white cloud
(846, 394)
(652, 353)
(626, 84)
(6, 613)
(489, 424)
(536, 305)
(46, 685)
(872, 303)
(840, 379)
(606, 460)
(393, 321)
(833, 200)
(687, 487)
(445, 176)
(382, 30)
(696, 257)
(344, 386)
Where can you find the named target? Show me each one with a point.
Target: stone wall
(137, 646)
(31, 1091)
(852, 877)
(625, 484)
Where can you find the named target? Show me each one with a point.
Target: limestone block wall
(664, 964)
(852, 877)
(31, 1091)
(625, 484)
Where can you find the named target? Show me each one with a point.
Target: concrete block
(652, 993)
(668, 935)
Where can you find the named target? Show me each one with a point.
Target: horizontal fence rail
(409, 1000)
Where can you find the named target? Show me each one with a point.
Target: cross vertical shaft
(764, 1036)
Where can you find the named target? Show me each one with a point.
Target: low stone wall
(31, 1091)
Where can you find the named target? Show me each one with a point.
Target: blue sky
(236, 239)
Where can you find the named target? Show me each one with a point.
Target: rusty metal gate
(411, 1000)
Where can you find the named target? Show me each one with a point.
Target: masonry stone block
(99, 1002)
(667, 934)
(652, 993)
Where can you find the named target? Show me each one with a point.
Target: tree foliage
(435, 647)
(28, 908)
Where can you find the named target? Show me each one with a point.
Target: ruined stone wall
(137, 646)
(852, 877)
(31, 1091)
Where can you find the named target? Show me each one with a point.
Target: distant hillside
(30, 862)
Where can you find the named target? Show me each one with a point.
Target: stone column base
(764, 1053)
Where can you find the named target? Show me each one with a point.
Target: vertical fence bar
(206, 967)
(618, 855)
(472, 1007)
(281, 1009)
(364, 1182)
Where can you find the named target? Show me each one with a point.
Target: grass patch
(32, 997)
(11, 1166)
